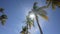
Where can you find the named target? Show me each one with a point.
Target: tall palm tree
(38, 11)
(3, 17)
(54, 3)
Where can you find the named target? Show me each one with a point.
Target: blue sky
(16, 11)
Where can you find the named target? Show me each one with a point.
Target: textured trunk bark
(38, 25)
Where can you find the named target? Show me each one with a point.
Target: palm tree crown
(39, 11)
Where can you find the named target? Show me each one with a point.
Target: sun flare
(32, 16)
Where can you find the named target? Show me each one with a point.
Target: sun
(32, 16)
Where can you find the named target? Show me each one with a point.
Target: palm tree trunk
(38, 25)
(27, 29)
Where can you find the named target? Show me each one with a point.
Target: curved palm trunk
(38, 25)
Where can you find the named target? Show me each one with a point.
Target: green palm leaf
(35, 5)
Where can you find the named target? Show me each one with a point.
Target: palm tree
(38, 11)
(54, 3)
(3, 17)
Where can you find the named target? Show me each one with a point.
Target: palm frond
(4, 16)
(35, 5)
(44, 16)
(22, 32)
(58, 4)
(53, 6)
(24, 29)
(41, 11)
(1, 9)
(29, 22)
(43, 7)
(54, 3)
(3, 21)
